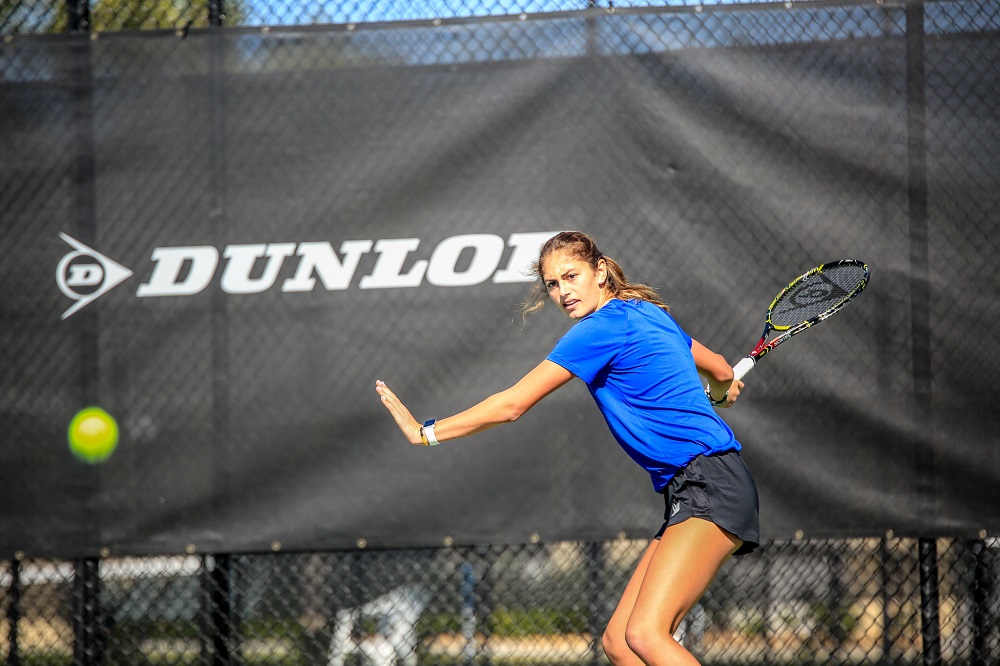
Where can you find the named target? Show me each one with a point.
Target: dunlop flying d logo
(821, 290)
(457, 261)
(85, 274)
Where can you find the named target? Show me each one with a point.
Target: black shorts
(717, 488)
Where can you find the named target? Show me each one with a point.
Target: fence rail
(21, 17)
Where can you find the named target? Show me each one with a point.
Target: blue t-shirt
(637, 363)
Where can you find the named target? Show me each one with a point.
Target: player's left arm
(717, 371)
(503, 407)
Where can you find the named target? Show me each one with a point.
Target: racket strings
(817, 293)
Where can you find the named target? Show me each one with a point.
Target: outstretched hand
(408, 425)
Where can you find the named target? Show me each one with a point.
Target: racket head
(817, 294)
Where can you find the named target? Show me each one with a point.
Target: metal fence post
(218, 634)
(930, 616)
(215, 13)
(13, 613)
(78, 15)
(917, 195)
(839, 608)
(981, 587)
(86, 613)
(78, 73)
(917, 204)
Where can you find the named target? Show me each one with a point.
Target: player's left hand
(408, 425)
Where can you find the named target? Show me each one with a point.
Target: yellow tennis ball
(93, 435)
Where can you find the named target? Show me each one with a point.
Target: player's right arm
(503, 407)
(717, 371)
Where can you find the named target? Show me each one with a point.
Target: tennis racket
(806, 301)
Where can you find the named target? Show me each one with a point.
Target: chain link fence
(879, 600)
(855, 601)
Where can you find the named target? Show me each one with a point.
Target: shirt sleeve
(590, 346)
(687, 338)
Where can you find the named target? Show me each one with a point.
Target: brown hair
(583, 247)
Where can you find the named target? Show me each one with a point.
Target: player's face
(573, 285)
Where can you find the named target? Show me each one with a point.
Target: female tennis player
(643, 372)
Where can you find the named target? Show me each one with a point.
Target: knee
(645, 641)
(615, 647)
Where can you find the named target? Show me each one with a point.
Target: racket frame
(747, 364)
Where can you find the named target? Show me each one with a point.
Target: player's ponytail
(584, 247)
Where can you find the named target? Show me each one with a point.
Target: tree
(21, 16)
(108, 15)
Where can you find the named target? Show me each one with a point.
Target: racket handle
(741, 369)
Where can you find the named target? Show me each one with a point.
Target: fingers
(400, 414)
(734, 393)
(389, 398)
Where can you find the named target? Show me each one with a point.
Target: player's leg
(678, 572)
(613, 641)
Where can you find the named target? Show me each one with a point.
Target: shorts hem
(750, 542)
(720, 490)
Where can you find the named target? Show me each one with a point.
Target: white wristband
(427, 430)
(712, 401)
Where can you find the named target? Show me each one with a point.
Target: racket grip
(741, 369)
